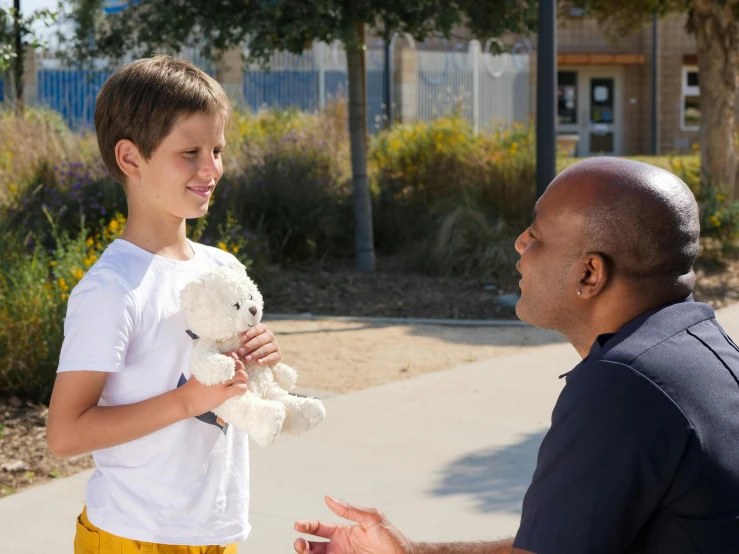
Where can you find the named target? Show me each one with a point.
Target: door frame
(583, 126)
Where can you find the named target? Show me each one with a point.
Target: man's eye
(191, 153)
(237, 305)
(531, 235)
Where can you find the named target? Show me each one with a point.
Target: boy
(169, 478)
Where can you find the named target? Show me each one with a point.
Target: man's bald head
(642, 219)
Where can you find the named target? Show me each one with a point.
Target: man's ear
(594, 275)
(129, 158)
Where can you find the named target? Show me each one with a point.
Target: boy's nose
(253, 310)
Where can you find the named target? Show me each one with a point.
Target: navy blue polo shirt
(643, 452)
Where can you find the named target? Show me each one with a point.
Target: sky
(29, 6)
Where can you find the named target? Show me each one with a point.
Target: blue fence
(72, 93)
(295, 88)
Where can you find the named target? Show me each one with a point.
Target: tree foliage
(216, 25)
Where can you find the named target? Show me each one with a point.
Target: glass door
(601, 128)
(589, 111)
(568, 129)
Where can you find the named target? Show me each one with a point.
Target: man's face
(183, 171)
(548, 261)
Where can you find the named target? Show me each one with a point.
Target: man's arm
(374, 534)
(498, 547)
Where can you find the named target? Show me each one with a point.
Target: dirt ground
(340, 356)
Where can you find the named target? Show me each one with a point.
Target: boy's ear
(129, 158)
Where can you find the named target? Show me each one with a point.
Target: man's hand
(374, 534)
(260, 345)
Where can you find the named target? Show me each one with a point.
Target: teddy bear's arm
(285, 376)
(208, 365)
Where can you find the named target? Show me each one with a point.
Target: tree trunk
(716, 44)
(364, 240)
(19, 59)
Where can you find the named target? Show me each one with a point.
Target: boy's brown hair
(141, 102)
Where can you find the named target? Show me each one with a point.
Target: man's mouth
(202, 191)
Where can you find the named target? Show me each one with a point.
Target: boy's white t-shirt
(189, 482)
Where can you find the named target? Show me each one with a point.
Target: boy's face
(182, 172)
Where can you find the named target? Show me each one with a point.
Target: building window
(566, 97)
(690, 105)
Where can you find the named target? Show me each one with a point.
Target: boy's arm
(77, 425)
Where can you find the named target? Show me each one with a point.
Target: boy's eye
(217, 152)
(237, 305)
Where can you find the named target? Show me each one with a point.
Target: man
(643, 452)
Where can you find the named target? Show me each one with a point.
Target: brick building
(604, 89)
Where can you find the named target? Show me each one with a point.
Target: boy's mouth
(203, 192)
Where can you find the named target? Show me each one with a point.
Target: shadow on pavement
(495, 479)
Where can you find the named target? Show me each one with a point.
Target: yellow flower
(91, 259)
(53, 263)
(234, 249)
(65, 296)
(222, 246)
(715, 221)
(113, 226)
(720, 197)
(78, 273)
(89, 242)
(62, 284)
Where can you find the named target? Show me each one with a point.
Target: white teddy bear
(219, 306)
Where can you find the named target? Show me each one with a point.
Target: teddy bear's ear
(190, 294)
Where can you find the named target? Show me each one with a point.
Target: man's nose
(520, 243)
(253, 310)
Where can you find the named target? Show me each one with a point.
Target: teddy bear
(219, 305)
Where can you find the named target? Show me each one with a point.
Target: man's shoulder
(662, 337)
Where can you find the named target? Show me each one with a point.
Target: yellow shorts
(91, 540)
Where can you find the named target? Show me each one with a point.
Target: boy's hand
(260, 345)
(200, 399)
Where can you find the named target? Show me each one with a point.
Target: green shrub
(437, 183)
(294, 190)
(468, 240)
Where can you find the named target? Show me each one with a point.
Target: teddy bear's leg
(302, 414)
(284, 376)
(261, 419)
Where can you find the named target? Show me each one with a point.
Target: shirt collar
(632, 325)
(629, 328)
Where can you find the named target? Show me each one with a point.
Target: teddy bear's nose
(253, 310)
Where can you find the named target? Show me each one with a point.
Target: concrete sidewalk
(447, 456)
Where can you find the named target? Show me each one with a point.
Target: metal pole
(319, 63)
(655, 84)
(387, 94)
(546, 97)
